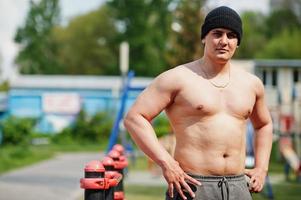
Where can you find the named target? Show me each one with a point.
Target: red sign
(61, 103)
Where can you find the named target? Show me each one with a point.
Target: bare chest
(206, 100)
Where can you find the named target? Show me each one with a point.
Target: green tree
(185, 43)
(293, 5)
(283, 46)
(279, 20)
(254, 37)
(87, 44)
(17, 131)
(274, 38)
(145, 25)
(87, 129)
(38, 52)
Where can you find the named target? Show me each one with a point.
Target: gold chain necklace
(214, 84)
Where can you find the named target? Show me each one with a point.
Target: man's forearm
(263, 146)
(144, 136)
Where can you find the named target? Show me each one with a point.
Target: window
(296, 75)
(264, 77)
(274, 77)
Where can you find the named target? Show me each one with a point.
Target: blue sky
(13, 13)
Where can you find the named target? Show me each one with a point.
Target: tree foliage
(283, 33)
(38, 51)
(87, 44)
(281, 19)
(254, 37)
(184, 41)
(145, 25)
(87, 129)
(162, 34)
(271, 36)
(283, 46)
(17, 131)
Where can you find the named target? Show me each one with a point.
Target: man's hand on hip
(178, 179)
(257, 178)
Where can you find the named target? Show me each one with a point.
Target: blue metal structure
(119, 115)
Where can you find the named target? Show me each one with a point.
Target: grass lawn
(283, 191)
(138, 192)
(12, 157)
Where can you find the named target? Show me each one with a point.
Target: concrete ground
(58, 179)
(55, 179)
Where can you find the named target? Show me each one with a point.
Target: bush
(4, 86)
(86, 129)
(161, 126)
(65, 137)
(17, 131)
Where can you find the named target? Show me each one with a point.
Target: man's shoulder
(177, 72)
(173, 79)
(250, 79)
(254, 79)
(246, 75)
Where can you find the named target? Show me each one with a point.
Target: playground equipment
(108, 164)
(96, 183)
(104, 179)
(119, 115)
(286, 147)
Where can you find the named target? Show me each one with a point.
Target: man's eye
(217, 34)
(231, 35)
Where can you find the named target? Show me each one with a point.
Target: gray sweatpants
(218, 188)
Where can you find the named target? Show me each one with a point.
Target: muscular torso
(210, 123)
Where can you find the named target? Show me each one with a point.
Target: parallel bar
(119, 116)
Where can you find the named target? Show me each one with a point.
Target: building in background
(56, 100)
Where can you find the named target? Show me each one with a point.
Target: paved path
(58, 179)
(55, 179)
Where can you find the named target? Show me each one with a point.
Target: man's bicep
(152, 101)
(260, 115)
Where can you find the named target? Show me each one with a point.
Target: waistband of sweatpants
(212, 178)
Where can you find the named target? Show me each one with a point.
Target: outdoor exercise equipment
(286, 147)
(104, 180)
(120, 163)
(120, 113)
(108, 164)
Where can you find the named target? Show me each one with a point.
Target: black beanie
(223, 17)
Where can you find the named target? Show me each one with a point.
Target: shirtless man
(207, 102)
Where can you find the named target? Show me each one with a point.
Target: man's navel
(225, 155)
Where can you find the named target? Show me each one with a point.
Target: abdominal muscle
(213, 146)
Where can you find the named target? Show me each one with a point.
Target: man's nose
(224, 39)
